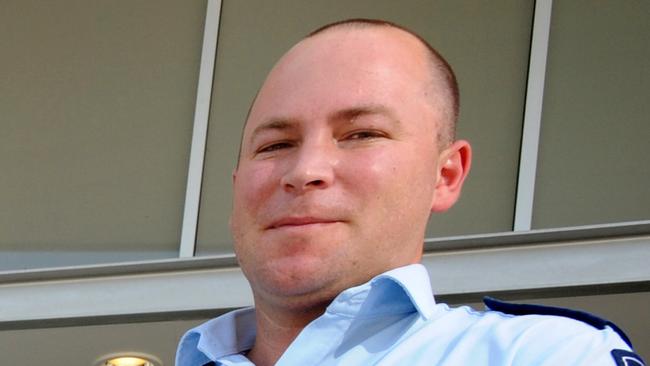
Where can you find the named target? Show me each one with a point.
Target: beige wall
(595, 131)
(96, 107)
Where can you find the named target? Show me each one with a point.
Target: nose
(311, 168)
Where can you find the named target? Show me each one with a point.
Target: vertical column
(532, 116)
(199, 134)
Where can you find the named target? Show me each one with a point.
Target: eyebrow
(350, 114)
(275, 124)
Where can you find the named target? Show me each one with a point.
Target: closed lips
(299, 221)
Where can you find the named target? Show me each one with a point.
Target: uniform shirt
(394, 320)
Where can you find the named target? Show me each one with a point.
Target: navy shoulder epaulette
(529, 309)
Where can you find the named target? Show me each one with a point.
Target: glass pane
(593, 165)
(97, 101)
(487, 43)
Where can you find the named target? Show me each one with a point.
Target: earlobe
(453, 166)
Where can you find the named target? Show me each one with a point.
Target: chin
(299, 283)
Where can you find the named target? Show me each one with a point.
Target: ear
(453, 166)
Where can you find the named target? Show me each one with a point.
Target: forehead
(343, 68)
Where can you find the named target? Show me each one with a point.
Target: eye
(274, 147)
(364, 135)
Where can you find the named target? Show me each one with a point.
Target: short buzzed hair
(440, 66)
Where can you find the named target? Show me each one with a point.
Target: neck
(277, 327)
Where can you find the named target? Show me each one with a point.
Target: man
(348, 148)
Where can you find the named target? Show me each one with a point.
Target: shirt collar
(231, 333)
(402, 289)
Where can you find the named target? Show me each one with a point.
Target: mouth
(289, 222)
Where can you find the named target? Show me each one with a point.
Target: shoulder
(562, 335)
(564, 313)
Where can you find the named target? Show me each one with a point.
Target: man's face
(339, 165)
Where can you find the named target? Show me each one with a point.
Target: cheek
(252, 184)
(393, 178)
(367, 171)
(390, 168)
(252, 189)
(373, 180)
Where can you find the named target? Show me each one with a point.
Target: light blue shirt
(394, 320)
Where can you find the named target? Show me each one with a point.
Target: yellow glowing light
(128, 361)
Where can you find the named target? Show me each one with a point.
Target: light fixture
(128, 359)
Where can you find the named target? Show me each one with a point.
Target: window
(97, 104)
